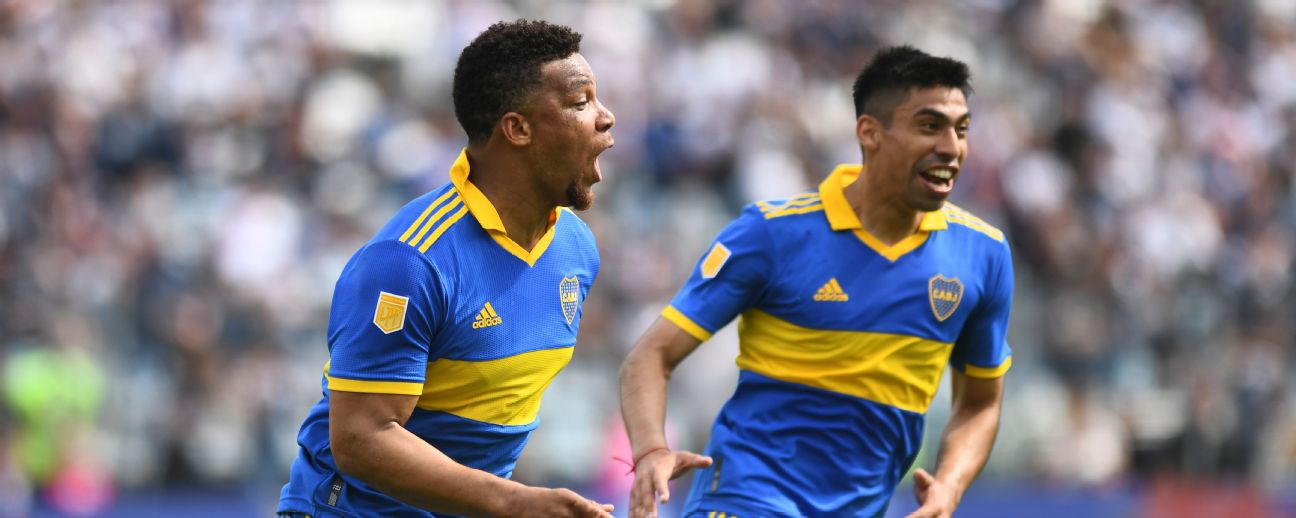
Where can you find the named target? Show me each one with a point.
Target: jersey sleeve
(386, 307)
(728, 278)
(982, 349)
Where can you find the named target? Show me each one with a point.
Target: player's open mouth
(598, 170)
(939, 179)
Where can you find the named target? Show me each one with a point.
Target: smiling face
(916, 157)
(570, 128)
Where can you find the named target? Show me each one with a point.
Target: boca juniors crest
(569, 295)
(945, 295)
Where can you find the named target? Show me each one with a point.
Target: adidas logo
(487, 317)
(831, 292)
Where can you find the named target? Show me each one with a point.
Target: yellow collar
(840, 214)
(484, 211)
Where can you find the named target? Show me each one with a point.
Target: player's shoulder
(384, 258)
(780, 215)
(426, 222)
(574, 239)
(960, 220)
(801, 206)
(572, 224)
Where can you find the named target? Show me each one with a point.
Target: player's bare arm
(644, 377)
(965, 445)
(370, 443)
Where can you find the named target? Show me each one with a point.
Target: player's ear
(515, 128)
(868, 130)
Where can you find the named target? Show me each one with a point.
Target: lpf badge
(945, 295)
(569, 294)
(389, 316)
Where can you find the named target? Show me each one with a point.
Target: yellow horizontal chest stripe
(897, 370)
(504, 391)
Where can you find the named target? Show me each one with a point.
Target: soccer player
(449, 324)
(853, 298)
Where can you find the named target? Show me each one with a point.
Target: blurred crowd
(182, 181)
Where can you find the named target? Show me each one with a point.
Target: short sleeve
(982, 349)
(728, 278)
(383, 321)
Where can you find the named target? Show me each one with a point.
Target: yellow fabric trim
(488, 217)
(840, 214)
(892, 252)
(521, 253)
(965, 218)
(934, 220)
(842, 217)
(988, 372)
(897, 370)
(685, 323)
(481, 207)
(504, 391)
(426, 211)
(445, 225)
(794, 210)
(968, 219)
(436, 217)
(407, 388)
(375, 387)
(796, 201)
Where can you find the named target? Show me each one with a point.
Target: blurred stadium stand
(182, 181)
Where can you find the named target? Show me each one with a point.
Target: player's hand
(935, 498)
(652, 475)
(544, 502)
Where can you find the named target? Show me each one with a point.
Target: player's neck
(886, 217)
(524, 213)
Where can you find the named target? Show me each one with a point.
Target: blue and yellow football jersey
(843, 341)
(442, 305)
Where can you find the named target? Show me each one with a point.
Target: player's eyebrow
(932, 112)
(578, 83)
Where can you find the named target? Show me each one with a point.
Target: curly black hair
(501, 66)
(887, 79)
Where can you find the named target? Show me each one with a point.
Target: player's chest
(925, 290)
(497, 315)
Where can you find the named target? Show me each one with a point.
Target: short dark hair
(500, 68)
(887, 79)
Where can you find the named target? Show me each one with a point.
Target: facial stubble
(579, 198)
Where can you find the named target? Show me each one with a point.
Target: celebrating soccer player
(449, 324)
(853, 298)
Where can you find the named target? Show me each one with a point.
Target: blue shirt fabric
(442, 305)
(843, 341)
